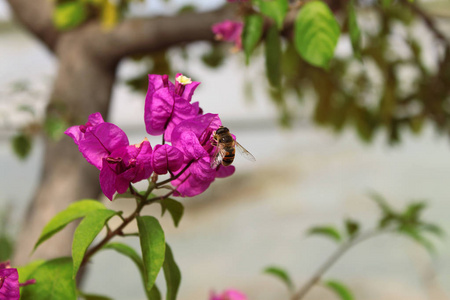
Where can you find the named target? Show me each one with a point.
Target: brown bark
(88, 57)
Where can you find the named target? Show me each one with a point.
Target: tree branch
(36, 15)
(140, 35)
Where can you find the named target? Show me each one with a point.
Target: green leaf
(316, 33)
(74, 211)
(53, 281)
(27, 270)
(134, 256)
(55, 126)
(412, 212)
(6, 247)
(275, 9)
(280, 274)
(69, 15)
(153, 247)
(416, 236)
(328, 231)
(172, 274)
(94, 297)
(352, 227)
(86, 232)
(253, 28)
(340, 289)
(432, 228)
(355, 32)
(22, 144)
(273, 57)
(382, 203)
(175, 208)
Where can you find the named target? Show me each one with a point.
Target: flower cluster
(228, 295)
(169, 112)
(9, 282)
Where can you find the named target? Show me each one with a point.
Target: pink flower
(228, 295)
(125, 165)
(167, 104)
(9, 282)
(166, 158)
(193, 138)
(229, 31)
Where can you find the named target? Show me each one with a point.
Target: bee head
(222, 130)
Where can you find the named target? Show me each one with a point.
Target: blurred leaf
(22, 144)
(352, 227)
(153, 247)
(86, 232)
(187, 9)
(355, 32)
(74, 211)
(432, 228)
(416, 236)
(386, 3)
(280, 274)
(273, 57)
(53, 281)
(327, 231)
(316, 33)
(382, 203)
(175, 208)
(93, 297)
(214, 57)
(110, 14)
(416, 124)
(27, 270)
(339, 289)
(253, 28)
(55, 126)
(69, 15)
(275, 9)
(412, 212)
(172, 275)
(6, 247)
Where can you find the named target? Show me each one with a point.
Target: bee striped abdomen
(229, 156)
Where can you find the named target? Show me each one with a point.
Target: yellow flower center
(183, 80)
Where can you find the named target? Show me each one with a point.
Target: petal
(202, 126)
(9, 290)
(101, 141)
(233, 295)
(108, 180)
(195, 180)
(166, 158)
(183, 110)
(95, 119)
(188, 88)
(189, 144)
(158, 110)
(223, 172)
(77, 134)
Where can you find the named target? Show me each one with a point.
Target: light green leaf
(53, 281)
(69, 15)
(316, 33)
(275, 9)
(253, 28)
(175, 208)
(327, 231)
(340, 289)
(273, 57)
(172, 274)
(355, 32)
(280, 274)
(27, 270)
(153, 247)
(74, 211)
(86, 232)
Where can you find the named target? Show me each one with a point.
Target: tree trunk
(83, 86)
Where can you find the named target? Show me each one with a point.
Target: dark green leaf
(132, 254)
(6, 247)
(280, 274)
(214, 57)
(275, 9)
(273, 57)
(352, 227)
(69, 15)
(94, 297)
(328, 231)
(86, 232)
(172, 274)
(22, 144)
(74, 211)
(53, 281)
(316, 33)
(253, 28)
(355, 32)
(412, 212)
(175, 209)
(382, 203)
(153, 247)
(340, 289)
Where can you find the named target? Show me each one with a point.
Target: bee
(225, 148)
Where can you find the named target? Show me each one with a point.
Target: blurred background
(322, 143)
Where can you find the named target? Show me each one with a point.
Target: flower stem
(176, 176)
(330, 262)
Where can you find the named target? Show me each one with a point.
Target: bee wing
(217, 157)
(244, 152)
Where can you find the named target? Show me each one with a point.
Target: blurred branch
(36, 17)
(140, 35)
